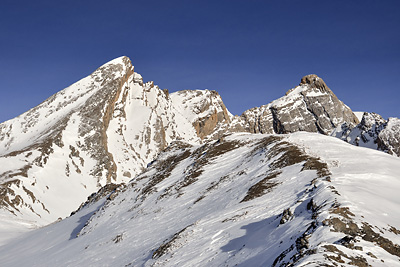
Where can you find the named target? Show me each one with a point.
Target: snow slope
(245, 199)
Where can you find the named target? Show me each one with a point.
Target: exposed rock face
(315, 82)
(373, 132)
(390, 136)
(204, 109)
(258, 120)
(310, 107)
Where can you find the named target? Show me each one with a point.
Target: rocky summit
(310, 107)
(118, 172)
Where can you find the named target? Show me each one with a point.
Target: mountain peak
(314, 81)
(121, 66)
(120, 60)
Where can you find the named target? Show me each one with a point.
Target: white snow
(359, 115)
(369, 179)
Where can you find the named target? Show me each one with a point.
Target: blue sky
(251, 52)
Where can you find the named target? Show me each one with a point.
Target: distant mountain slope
(246, 199)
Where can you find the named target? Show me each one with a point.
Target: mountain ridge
(111, 128)
(96, 109)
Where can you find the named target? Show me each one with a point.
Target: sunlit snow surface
(359, 114)
(205, 222)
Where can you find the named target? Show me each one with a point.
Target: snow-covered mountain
(178, 174)
(104, 128)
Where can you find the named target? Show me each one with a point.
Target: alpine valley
(114, 171)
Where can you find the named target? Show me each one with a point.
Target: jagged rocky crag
(373, 132)
(110, 127)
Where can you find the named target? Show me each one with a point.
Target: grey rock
(286, 216)
(310, 107)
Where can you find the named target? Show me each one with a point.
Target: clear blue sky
(251, 52)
